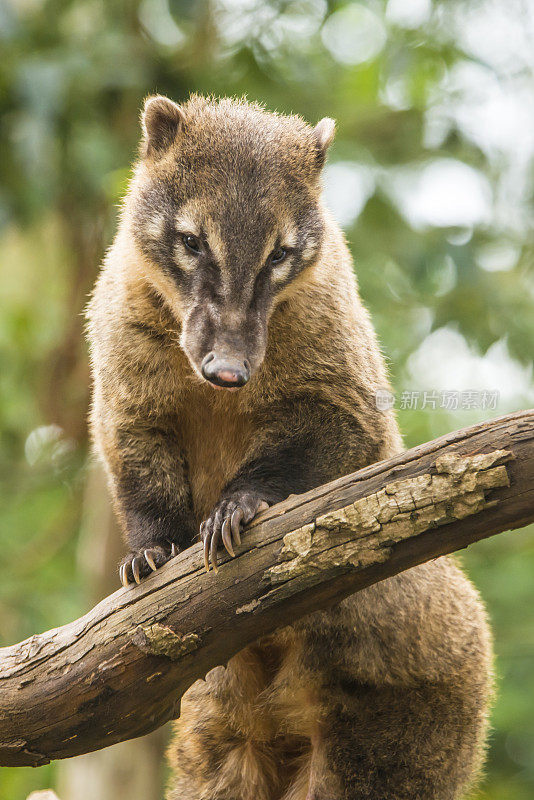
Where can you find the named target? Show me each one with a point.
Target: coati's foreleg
(291, 456)
(234, 510)
(151, 493)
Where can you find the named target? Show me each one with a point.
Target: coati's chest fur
(215, 433)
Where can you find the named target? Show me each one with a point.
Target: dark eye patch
(278, 255)
(191, 243)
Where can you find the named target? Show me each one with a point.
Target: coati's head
(226, 209)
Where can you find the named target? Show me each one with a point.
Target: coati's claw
(213, 551)
(136, 564)
(226, 536)
(225, 524)
(237, 518)
(141, 563)
(149, 556)
(206, 542)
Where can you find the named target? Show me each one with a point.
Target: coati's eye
(278, 255)
(191, 243)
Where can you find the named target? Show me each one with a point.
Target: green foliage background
(411, 84)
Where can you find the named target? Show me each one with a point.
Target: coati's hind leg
(385, 743)
(402, 680)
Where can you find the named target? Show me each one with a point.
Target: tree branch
(119, 671)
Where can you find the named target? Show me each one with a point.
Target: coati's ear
(324, 133)
(161, 120)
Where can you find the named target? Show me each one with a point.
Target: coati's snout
(225, 341)
(228, 212)
(225, 372)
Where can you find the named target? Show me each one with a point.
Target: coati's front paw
(138, 564)
(226, 521)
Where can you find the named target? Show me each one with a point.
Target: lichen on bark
(363, 532)
(160, 640)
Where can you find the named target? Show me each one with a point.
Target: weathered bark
(119, 671)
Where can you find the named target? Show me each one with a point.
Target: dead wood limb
(119, 671)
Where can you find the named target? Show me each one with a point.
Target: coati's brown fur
(225, 248)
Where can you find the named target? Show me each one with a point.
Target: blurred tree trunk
(132, 770)
(65, 394)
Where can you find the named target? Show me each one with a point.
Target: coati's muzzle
(225, 346)
(225, 371)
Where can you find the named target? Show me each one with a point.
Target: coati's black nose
(229, 373)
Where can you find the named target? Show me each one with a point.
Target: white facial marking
(186, 223)
(155, 226)
(183, 259)
(288, 237)
(281, 272)
(215, 242)
(309, 248)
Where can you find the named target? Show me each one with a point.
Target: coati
(234, 365)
